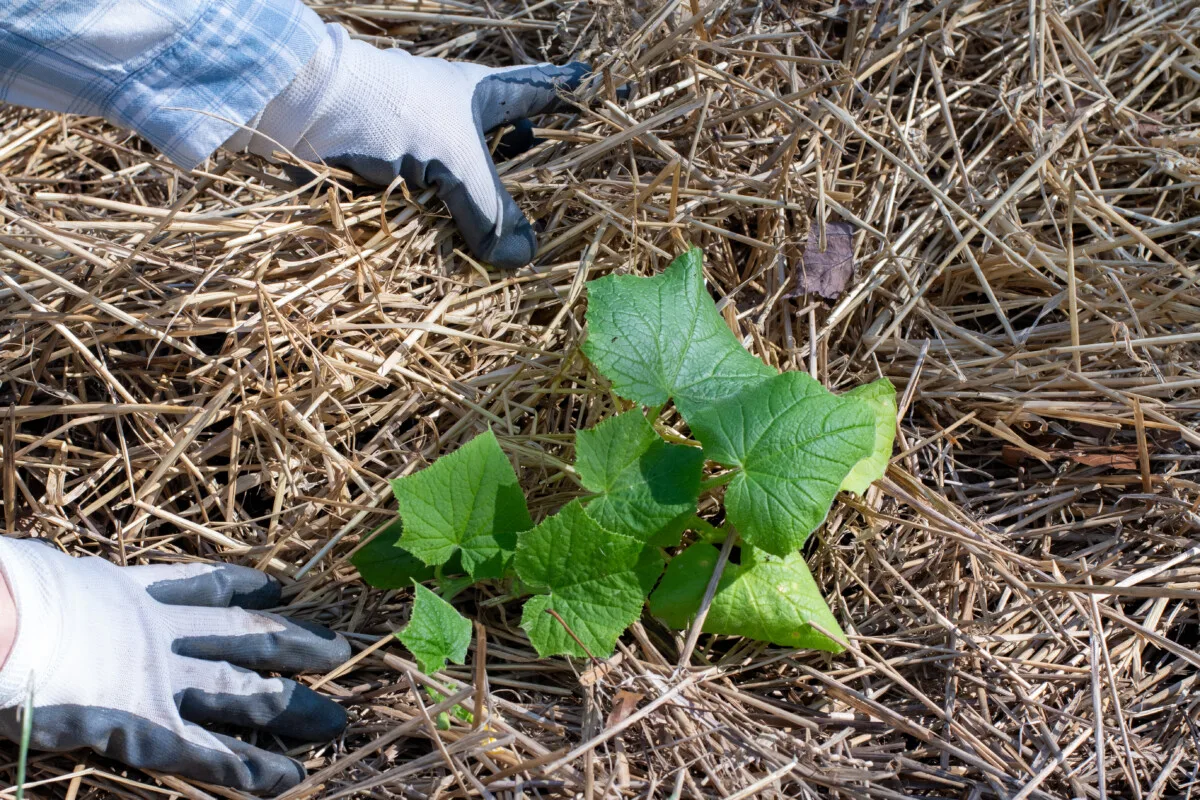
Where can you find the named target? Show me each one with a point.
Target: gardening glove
(131, 661)
(383, 113)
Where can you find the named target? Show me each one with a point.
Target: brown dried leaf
(827, 272)
(623, 705)
(1116, 459)
(1150, 127)
(1011, 455)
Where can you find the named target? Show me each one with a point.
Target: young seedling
(786, 444)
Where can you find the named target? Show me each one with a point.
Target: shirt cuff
(236, 58)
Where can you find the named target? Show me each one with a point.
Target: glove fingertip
(329, 649)
(317, 718)
(295, 779)
(574, 73)
(271, 774)
(515, 248)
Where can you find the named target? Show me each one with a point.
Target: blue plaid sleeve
(182, 73)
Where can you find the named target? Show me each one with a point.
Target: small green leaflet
(766, 598)
(642, 483)
(662, 337)
(794, 442)
(880, 395)
(384, 564)
(436, 632)
(593, 579)
(468, 501)
(459, 711)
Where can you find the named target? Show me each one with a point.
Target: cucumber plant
(779, 445)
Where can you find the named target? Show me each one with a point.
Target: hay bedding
(217, 365)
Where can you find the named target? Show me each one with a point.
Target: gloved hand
(129, 661)
(383, 113)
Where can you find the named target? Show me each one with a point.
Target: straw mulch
(218, 365)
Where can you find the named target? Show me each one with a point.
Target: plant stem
(713, 582)
(718, 481)
(674, 438)
(712, 534)
(23, 750)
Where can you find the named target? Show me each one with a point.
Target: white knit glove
(128, 662)
(383, 113)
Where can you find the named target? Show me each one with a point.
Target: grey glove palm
(130, 662)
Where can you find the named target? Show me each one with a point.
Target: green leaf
(592, 578)
(458, 711)
(449, 587)
(880, 395)
(642, 483)
(794, 442)
(468, 502)
(384, 564)
(662, 337)
(766, 598)
(603, 453)
(649, 568)
(436, 632)
(670, 534)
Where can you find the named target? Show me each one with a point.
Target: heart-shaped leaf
(436, 632)
(593, 580)
(641, 482)
(468, 502)
(767, 598)
(793, 442)
(662, 337)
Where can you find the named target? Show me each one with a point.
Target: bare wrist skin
(8, 620)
